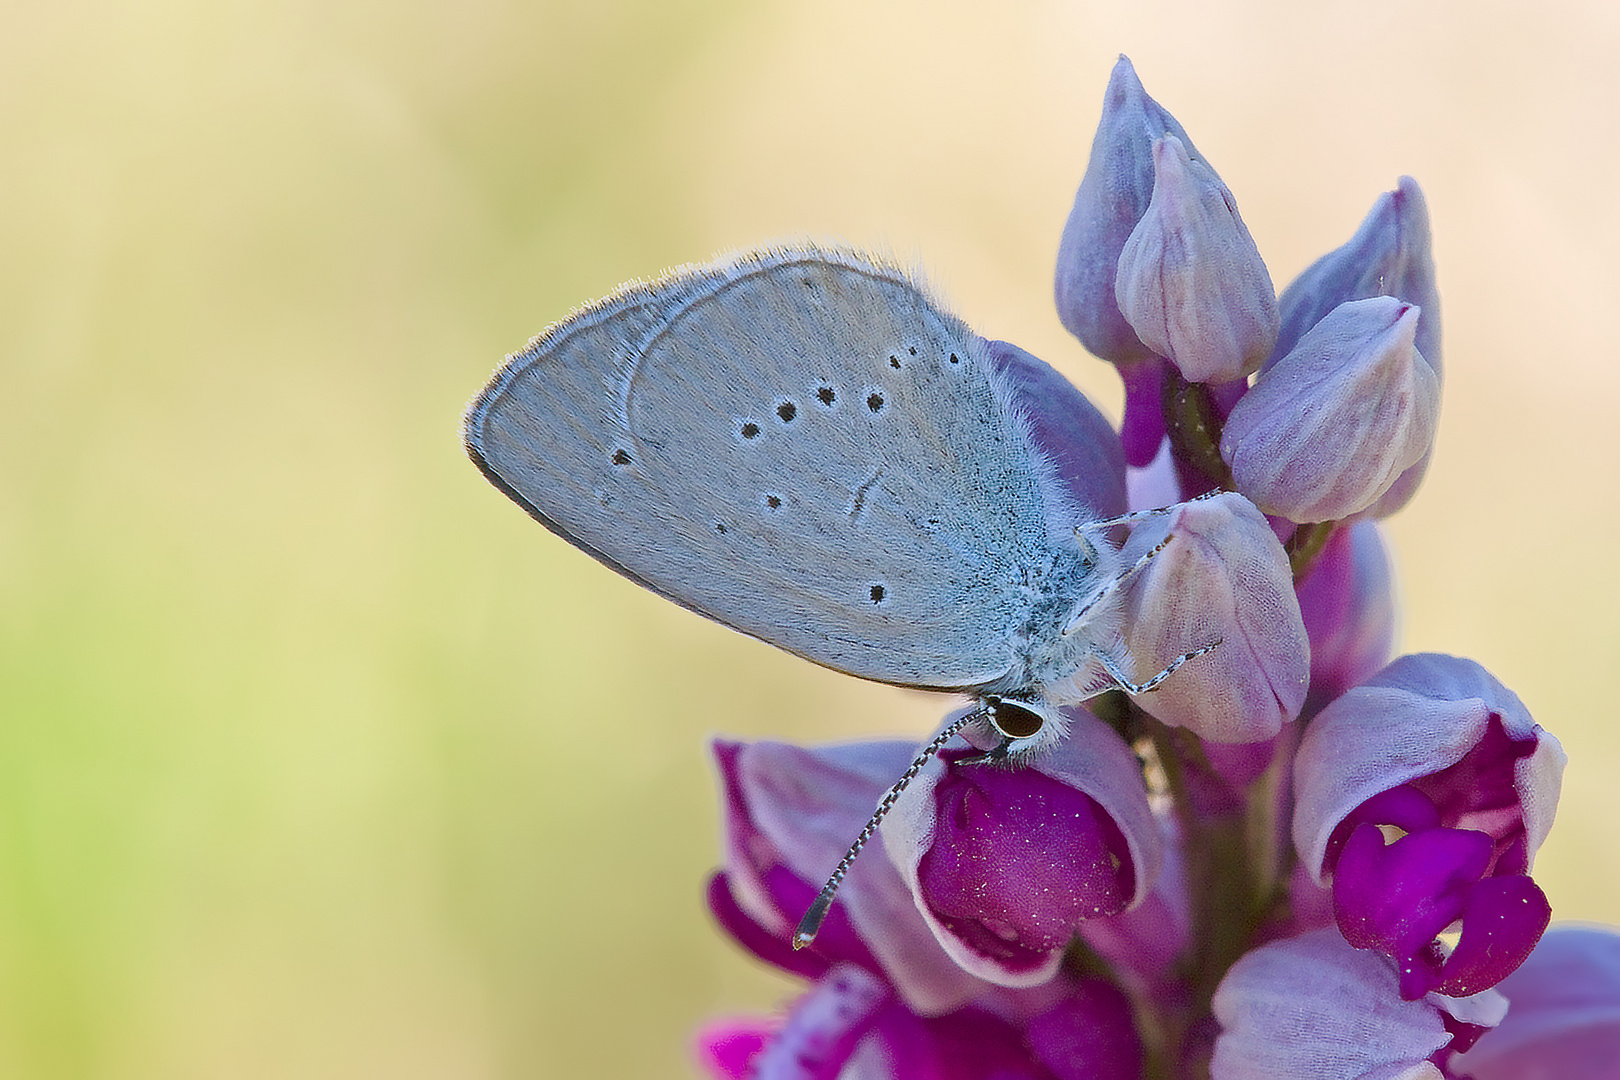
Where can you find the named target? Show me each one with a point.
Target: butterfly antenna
(810, 925)
(1143, 515)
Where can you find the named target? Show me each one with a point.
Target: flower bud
(1190, 280)
(1224, 578)
(1329, 428)
(1005, 864)
(1391, 254)
(1113, 195)
(1311, 1007)
(1436, 753)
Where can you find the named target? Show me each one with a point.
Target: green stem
(1232, 864)
(1306, 544)
(1194, 426)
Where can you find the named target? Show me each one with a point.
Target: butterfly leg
(1110, 587)
(996, 755)
(1124, 681)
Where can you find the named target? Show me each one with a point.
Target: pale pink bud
(1223, 577)
(1113, 195)
(1331, 426)
(1190, 281)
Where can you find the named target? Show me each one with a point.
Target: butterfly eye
(1013, 720)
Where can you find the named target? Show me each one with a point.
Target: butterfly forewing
(799, 444)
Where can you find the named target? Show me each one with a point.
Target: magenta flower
(848, 1025)
(790, 812)
(1424, 794)
(1006, 864)
(1288, 859)
(884, 998)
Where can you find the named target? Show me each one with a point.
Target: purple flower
(1007, 863)
(1330, 427)
(1424, 794)
(790, 814)
(1390, 255)
(1223, 577)
(1312, 1008)
(884, 997)
(1117, 899)
(849, 1025)
(1113, 196)
(1190, 281)
(1563, 1015)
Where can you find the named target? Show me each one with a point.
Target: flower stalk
(1299, 856)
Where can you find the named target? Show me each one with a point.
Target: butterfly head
(1021, 725)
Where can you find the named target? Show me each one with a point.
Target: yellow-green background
(319, 759)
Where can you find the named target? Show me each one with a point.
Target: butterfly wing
(797, 443)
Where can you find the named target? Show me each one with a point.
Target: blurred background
(319, 759)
